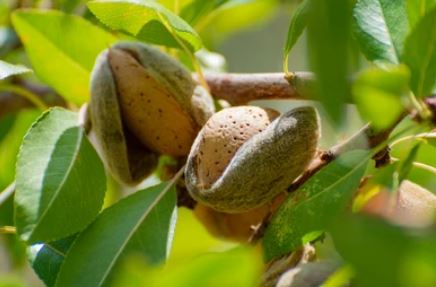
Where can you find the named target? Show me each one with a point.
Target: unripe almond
(222, 136)
(148, 108)
(412, 205)
(236, 226)
(143, 103)
(263, 161)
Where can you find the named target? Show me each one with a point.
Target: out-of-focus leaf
(7, 70)
(430, 138)
(6, 124)
(381, 27)
(235, 18)
(8, 39)
(69, 5)
(142, 223)
(416, 9)
(10, 145)
(59, 179)
(378, 95)
(210, 270)
(315, 203)
(406, 164)
(60, 55)
(420, 55)
(197, 9)
(385, 255)
(297, 26)
(147, 20)
(46, 259)
(328, 32)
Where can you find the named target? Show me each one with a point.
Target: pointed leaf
(46, 259)
(315, 203)
(143, 222)
(7, 70)
(147, 20)
(60, 180)
(297, 25)
(420, 55)
(60, 56)
(381, 27)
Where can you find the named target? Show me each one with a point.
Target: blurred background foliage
(249, 36)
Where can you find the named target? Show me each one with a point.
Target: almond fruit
(234, 167)
(141, 93)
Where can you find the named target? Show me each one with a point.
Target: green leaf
(146, 20)
(385, 255)
(381, 27)
(7, 70)
(416, 9)
(328, 32)
(375, 89)
(213, 269)
(58, 51)
(407, 163)
(297, 26)
(315, 203)
(10, 145)
(46, 259)
(420, 55)
(143, 222)
(198, 9)
(430, 138)
(60, 180)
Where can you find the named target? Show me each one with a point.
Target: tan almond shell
(148, 108)
(126, 159)
(411, 206)
(263, 166)
(174, 77)
(223, 134)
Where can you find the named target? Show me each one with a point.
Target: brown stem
(12, 103)
(239, 89)
(365, 138)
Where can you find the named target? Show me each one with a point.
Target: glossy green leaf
(328, 34)
(62, 49)
(420, 55)
(46, 259)
(146, 20)
(381, 27)
(378, 94)
(297, 25)
(143, 222)
(59, 179)
(315, 203)
(385, 255)
(7, 70)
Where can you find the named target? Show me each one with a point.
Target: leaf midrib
(134, 229)
(61, 184)
(335, 183)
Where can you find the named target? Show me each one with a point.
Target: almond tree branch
(239, 89)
